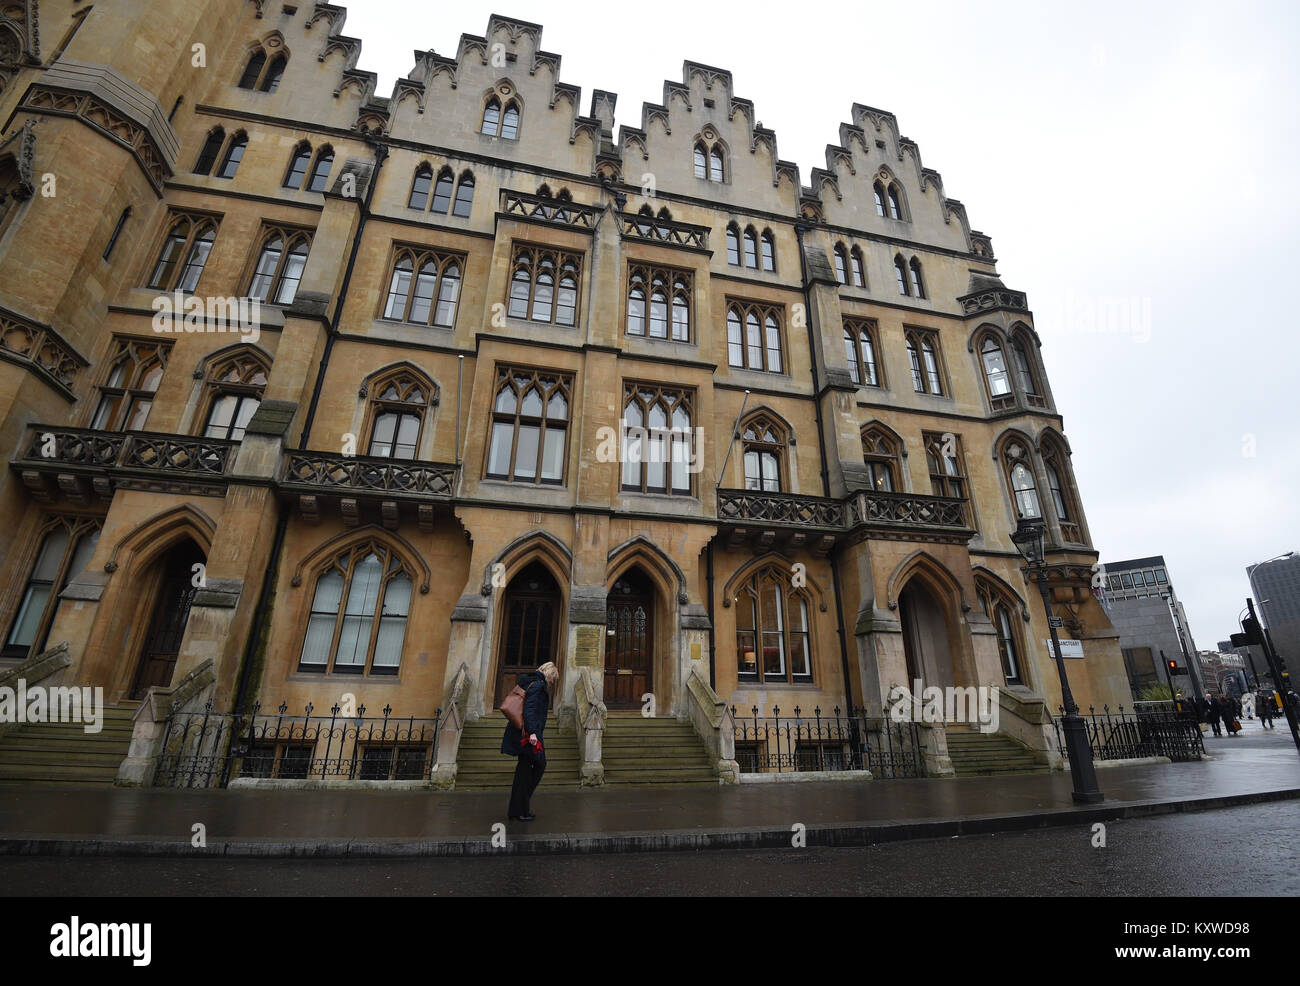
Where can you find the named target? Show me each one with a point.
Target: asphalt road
(1249, 850)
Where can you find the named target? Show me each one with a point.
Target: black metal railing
(1149, 731)
(208, 749)
(856, 741)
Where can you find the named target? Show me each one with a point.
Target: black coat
(536, 703)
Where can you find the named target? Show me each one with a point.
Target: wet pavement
(1248, 849)
(322, 821)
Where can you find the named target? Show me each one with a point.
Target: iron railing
(780, 508)
(321, 470)
(872, 507)
(1149, 731)
(856, 741)
(208, 749)
(128, 450)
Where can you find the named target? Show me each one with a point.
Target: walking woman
(527, 745)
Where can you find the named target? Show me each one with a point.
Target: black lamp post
(1028, 539)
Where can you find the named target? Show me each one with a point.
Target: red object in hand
(535, 743)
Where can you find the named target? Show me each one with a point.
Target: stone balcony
(664, 231)
(538, 208)
(353, 481)
(80, 463)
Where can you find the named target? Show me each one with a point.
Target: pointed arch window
(768, 244)
(879, 190)
(1056, 465)
(126, 395)
(184, 252)
(708, 157)
(754, 337)
(464, 196)
(261, 74)
(298, 165)
(253, 70)
(321, 172)
(923, 355)
(900, 273)
(659, 440)
(235, 384)
(66, 545)
(544, 285)
(860, 351)
(359, 607)
(841, 263)
(733, 246)
(1000, 609)
(995, 373)
(280, 263)
(751, 248)
(530, 426)
(211, 148)
(895, 202)
(773, 630)
(234, 154)
(1020, 479)
(424, 287)
(659, 303)
(1025, 371)
(398, 406)
(918, 281)
(880, 453)
(856, 265)
(943, 456)
(501, 119)
(420, 185)
(764, 447)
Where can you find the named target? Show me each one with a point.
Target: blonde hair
(549, 671)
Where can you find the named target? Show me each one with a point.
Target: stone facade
(253, 120)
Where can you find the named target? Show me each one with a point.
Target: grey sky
(1135, 166)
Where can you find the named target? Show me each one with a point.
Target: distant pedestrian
(1213, 713)
(1230, 709)
(527, 744)
(1264, 706)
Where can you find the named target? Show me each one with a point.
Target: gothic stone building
(415, 468)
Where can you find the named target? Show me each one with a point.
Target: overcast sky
(1135, 165)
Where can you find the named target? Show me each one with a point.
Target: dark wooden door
(171, 611)
(629, 642)
(530, 626)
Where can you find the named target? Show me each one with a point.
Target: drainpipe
(708, 578)
(826, 481)
(282, 522)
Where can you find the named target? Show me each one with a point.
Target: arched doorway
(629, 640)
(925, 636)
(175, 583)
(529, 627)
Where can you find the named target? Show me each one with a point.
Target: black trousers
(528, 774)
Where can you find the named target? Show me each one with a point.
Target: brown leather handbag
(512, 707)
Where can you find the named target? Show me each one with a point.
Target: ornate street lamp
(1028, 539)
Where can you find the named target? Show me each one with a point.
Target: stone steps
(64, 753)
(976, 754)
(481, 766)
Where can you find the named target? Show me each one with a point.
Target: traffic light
(1173, 666)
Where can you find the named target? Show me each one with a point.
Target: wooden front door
(629, 641)
(171, 611)
(530, 626)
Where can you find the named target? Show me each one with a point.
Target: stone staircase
(640, 750)
(64, 753)
(976, 754)
(481, 766)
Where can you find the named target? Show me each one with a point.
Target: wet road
(1250, 849)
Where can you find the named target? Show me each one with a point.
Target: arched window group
(659, 303)
(501, 118)
(126, 395)
(66, 547)
(849, 268)
(658, 440)
(860, 351)
(709, 157)
(399, 401)
(881, 453)
(1008, 368)
(447, 194)
(749, 249)
(184, 252)
(773, 629)
(302, 163)
(923, 356)
(530, 425)
(263, 73)
(357, 622)
(544, 285)
(943, 457)
(911, 282)
(280, 263)
(754, 337)
(1019, 471)
(212, 152)
(764, 448)
(889, 198)
(424, 287)
(235, 383)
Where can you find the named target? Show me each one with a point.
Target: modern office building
(1275, 586)
(520, 385)
(1152, 623)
